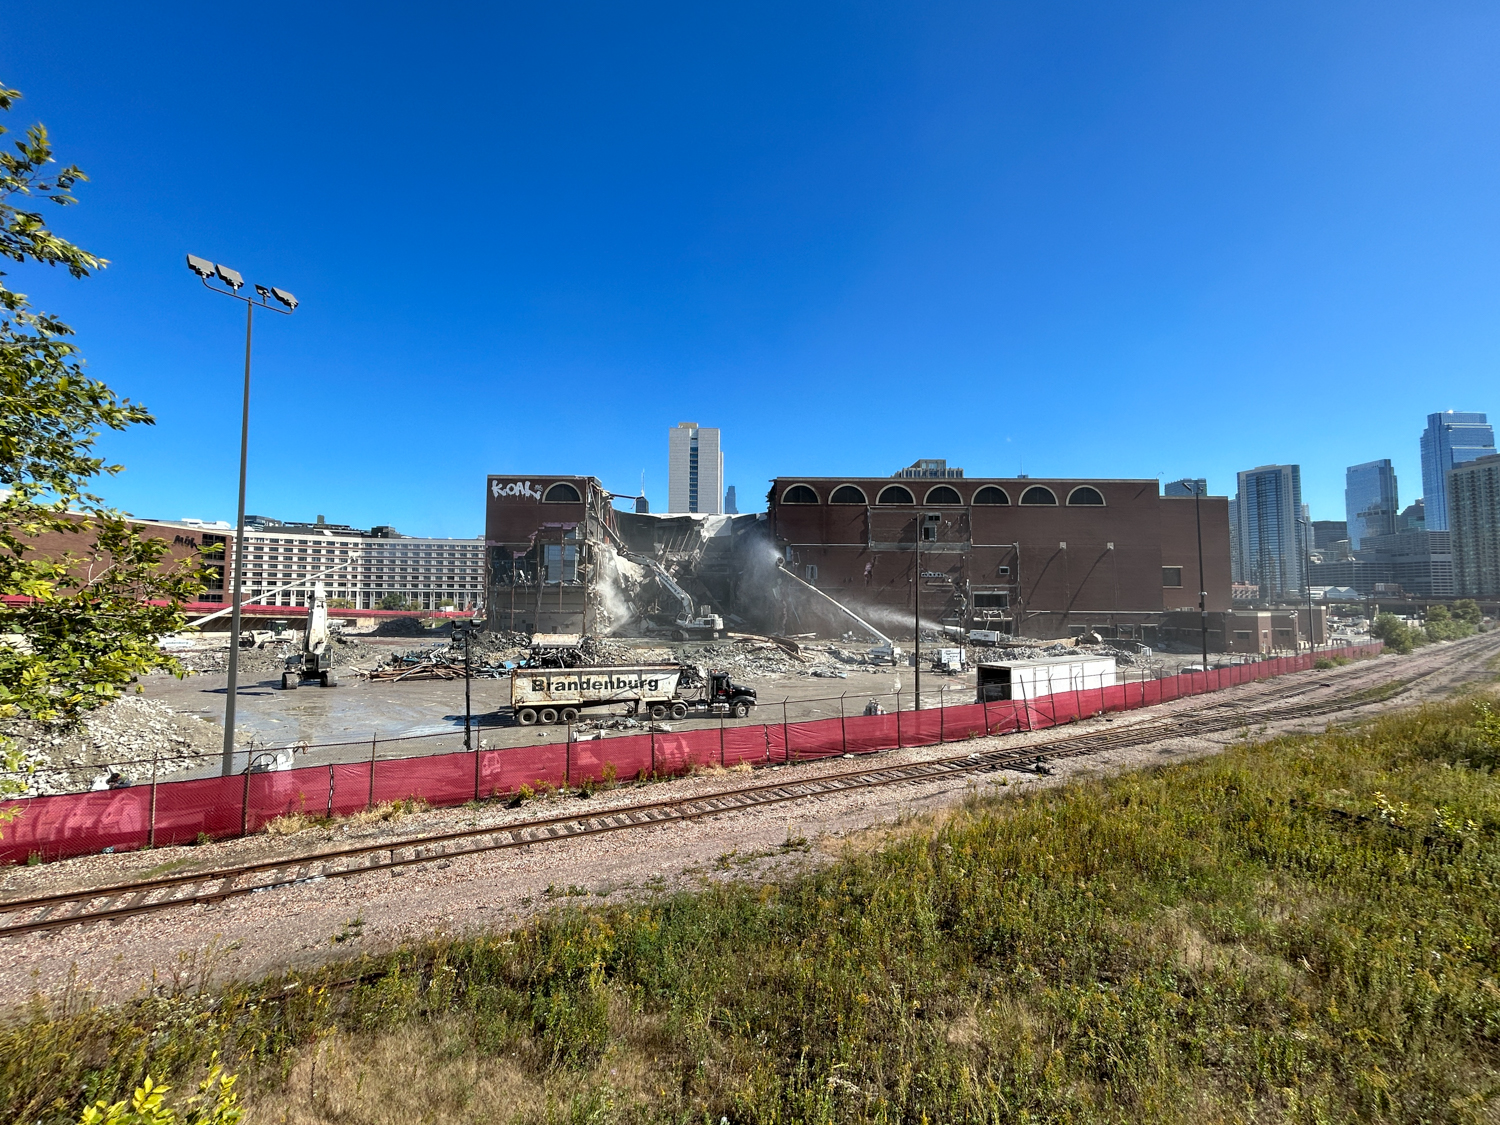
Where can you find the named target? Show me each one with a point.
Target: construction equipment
(885, 651)
(692, 622)
(315, 662)
(561, 695)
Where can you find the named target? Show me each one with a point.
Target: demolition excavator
(314, 664)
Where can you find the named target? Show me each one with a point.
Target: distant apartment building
(1413, 517)
(1473, 489)
(695, 470)
(1451, 438)
(1187, 486)
(1269, 532)
(364, 568)
(1420, 562)
(1370, 503)
(929, 468)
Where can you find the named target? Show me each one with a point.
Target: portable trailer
(1028, 679)
(561, 695)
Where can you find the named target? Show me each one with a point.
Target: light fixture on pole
(230, 282)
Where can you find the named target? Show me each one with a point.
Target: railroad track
(116, 902)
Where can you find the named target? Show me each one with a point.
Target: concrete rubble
(123, 738)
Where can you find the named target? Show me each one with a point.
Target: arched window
(895, 494)
(562, 493)
(799, 494)
(943, 494)
(1036, 494)
(847, 494)
(989, 494)
(1087, 496)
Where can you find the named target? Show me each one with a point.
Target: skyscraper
(1370, 504)
(1267, 512)
(1474, 519)
(1450, 439)
(695, 469)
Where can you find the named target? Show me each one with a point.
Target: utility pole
(1202, 580)
(916, 600)
(232, 283)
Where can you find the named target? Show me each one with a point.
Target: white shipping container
(1030, 679)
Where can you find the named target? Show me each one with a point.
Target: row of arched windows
(1037, 495)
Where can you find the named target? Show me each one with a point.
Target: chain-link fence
(434, 768)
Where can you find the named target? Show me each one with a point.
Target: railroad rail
(115, 902)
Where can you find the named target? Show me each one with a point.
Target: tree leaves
(77, 627)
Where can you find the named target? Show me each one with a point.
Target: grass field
(1305, 930)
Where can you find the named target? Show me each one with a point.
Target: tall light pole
(232, 283)
(1202, 581)
(1307, 535)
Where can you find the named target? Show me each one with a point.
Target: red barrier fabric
(125, 819)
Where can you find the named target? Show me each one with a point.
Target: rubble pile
(1042, 651)
(121, 738)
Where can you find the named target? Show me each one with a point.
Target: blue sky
(1083, 239)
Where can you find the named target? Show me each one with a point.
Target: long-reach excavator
(315, 662)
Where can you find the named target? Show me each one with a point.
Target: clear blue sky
(1093, 239)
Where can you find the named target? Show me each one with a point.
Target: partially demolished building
(1032, 558)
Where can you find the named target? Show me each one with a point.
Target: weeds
(1301, 930)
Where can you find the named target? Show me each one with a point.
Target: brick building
(1037, 557)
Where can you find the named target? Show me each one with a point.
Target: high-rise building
(731, 505)
(1474, 525)
(1370, 504)
(1270, 535)
(1413, 517)
(1327, 534)
(695, 470)
(1451, 438)
(1186, 487)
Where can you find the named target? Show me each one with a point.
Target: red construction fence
(177, 812)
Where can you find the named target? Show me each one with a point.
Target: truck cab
(727, 697)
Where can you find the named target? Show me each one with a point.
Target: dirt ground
(315, 921)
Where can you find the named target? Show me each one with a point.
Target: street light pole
(1202, 581)
(233, 282)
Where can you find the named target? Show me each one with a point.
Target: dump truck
(562, 695)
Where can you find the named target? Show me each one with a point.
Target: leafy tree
(1398, 636)
(1467, 609)
(1443, 626)
(91, 618)
(393, 601)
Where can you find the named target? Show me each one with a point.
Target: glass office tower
(1370, 504)
(1268, 515)
(1451, 438)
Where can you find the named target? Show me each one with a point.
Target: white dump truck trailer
(561, 695)
(1028, 679)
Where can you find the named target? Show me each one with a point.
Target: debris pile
(121, 738)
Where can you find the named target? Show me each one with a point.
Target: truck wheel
(679, 710)
(658, 711)
(329, 679)
(547, 715)
(568, 714)
(741, 709)
(289, 681)
(526, 716)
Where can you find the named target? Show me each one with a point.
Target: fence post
(898, 718)
(151, 832)
(245, 801)
(843, 727)
(652, 729)
(568, 760)
(370, 804)
(330, 790)
(942, 708)
(721, 740)
(786, 733)
(477, 741)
